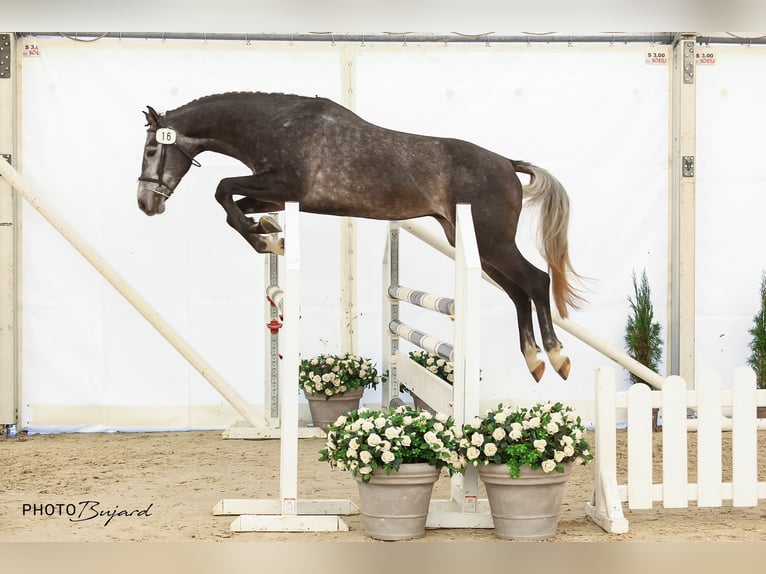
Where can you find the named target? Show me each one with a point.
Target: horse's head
(168, 155)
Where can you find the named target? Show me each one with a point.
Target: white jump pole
(131, 295)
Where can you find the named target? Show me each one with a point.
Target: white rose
(498, 433)
(557, 418)
(540, 444)
(515, 434)
(387, 457)
(472, 453)
(406, 440)
(516, 426)
(430, 437)
(477, 439)
(476, 423)
(351, 453)
(558, 456)
(569, 450)
(577, 434)
(548, 465)
(316, 379)
(341, 465)
(327, 377)
(552, 427)
(438, 427)
(500, 417)
(340, 421)
(365, 470)
(391, 433)
(374, 440)
(566, 439)
(534, 422)
(353, 443)
(407, 420)
(365, 456)
(328, 392)
(314, 361)
(380, 422)
(367, 425)
(356, 426)
(490, 449)
(441, 417)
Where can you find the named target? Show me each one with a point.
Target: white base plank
(449, 514)
(264, 433)
(288, 523)
(237, 506)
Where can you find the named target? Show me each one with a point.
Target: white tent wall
(731, 199)
(595, 116)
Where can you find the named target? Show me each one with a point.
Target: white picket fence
(712, 407)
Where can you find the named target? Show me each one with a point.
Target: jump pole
(288, 514)
(131, 295)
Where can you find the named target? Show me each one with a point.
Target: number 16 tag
(166, 136)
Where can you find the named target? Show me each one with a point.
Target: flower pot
(395, 506)
(325, 410)
(527, 507)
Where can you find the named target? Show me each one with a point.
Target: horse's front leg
(251, 187)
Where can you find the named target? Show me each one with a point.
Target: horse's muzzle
(149, 200)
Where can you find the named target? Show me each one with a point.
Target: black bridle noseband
(161, 165)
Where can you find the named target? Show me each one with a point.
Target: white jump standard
(288, 514)
(463, 509)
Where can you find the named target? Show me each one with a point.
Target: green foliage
(545, 436)
(642, 333)
(757, 358)
(330, 375)
(363, 440)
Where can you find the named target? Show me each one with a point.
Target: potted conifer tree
(757, 358)
(642, 333)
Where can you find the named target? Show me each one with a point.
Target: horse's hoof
(269, 225)
(278, 247)
(563, 370)
(537, 372)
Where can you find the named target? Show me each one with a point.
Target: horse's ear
(152, 117)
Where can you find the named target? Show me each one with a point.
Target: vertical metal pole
(390, 313)
(681, 331)
(271, 391)
(10, 244)
(348, 297)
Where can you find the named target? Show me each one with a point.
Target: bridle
(161, 167)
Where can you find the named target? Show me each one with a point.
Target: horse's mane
(214, 98)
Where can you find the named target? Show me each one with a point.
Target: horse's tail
(547, 192)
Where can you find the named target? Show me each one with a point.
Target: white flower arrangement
(330, 375)
(363, 440)
(443, 369)
(547, 436)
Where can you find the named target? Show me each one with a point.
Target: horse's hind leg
(529, 347)
(535, 284)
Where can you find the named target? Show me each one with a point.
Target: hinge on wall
(688, 60)
(5, 55)
(6, 156)
(687, 166)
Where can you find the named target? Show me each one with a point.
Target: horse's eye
(150, 152)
